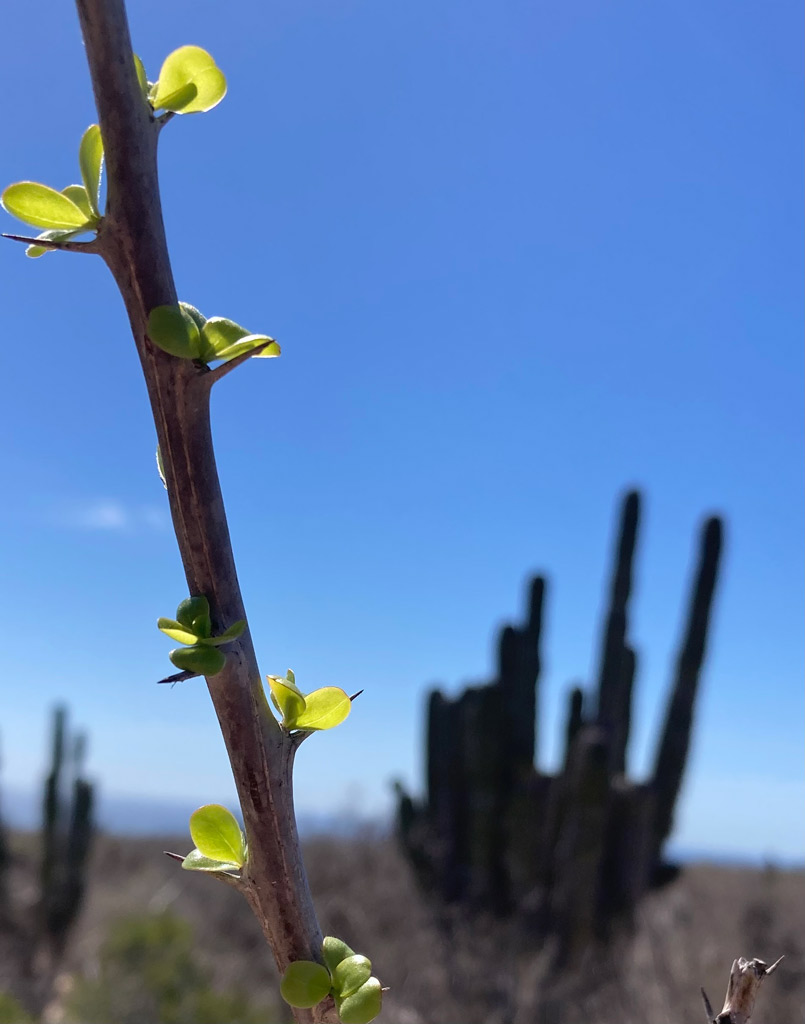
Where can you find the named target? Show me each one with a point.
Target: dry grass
(446, 969)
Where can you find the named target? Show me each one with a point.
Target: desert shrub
(11, 1012)
(148, 971)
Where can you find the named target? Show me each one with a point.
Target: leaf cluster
(322, 709)
(73, 211)
(183, 331)
(220, 844)
(193, 627)
(347, 977)
(190, 82)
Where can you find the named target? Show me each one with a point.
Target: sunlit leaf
(216, 833)
(196, 861)
(78, 194)
(362, 1006)
(227, 636)
(176, 631)
(203, 661)
(334, 951)
(42, 206)
(350, 974)
(189, 82)
(190, 609)
(288, 699)
(142, 78)
(174, 331)
(251, 341)
(304, 984)
(324, 709)
(53, 236)
(90, 158)
(220, 333)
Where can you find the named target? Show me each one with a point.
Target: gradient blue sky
(519, 256)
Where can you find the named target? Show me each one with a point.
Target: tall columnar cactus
(67, 829)
(614, 683)
(672, 751)
(581, 845)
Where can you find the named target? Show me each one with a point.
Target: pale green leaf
(324, 709)
(220, 333)
(53, 236)
(334, 951)
(251, 341)
(189, 82)
(196, 861)
(217, 834)
(203, 661)
(42, 206)
(288, 700)
(176, 631)
(78, 194)
(90, 158)
(142, 78)
(362, 1006)
(304, 984)
(227, 636)
(174, 331)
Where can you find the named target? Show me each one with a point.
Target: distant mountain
(143, 816)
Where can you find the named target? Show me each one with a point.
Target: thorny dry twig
(745, 979)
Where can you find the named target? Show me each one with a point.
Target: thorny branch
(135, 249)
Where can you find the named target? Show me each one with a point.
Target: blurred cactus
(66, 834)
(5, 864)
(578, 848)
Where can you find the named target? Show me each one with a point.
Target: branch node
(212, 376)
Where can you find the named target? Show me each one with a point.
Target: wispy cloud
(109, 515)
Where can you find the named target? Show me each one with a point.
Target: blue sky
(519, 257)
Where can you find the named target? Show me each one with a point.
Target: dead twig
(745, 979)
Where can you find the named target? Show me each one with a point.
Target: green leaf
(304, 984)
(190, 609)
(198, 317)
(350, 974)
(362, 1006)
(288, 699)
(202, 625)
(324, 709)
(227, 636)
(196, 861)
(176, 631)
(220, 333)
(271, 351)
(90, 158)
(53, 236)
(42, 206)
(217, 835)
(334, 951)
(204, 661)
(78, 194)
(189, 82)
(142, 78)
(174, 331)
